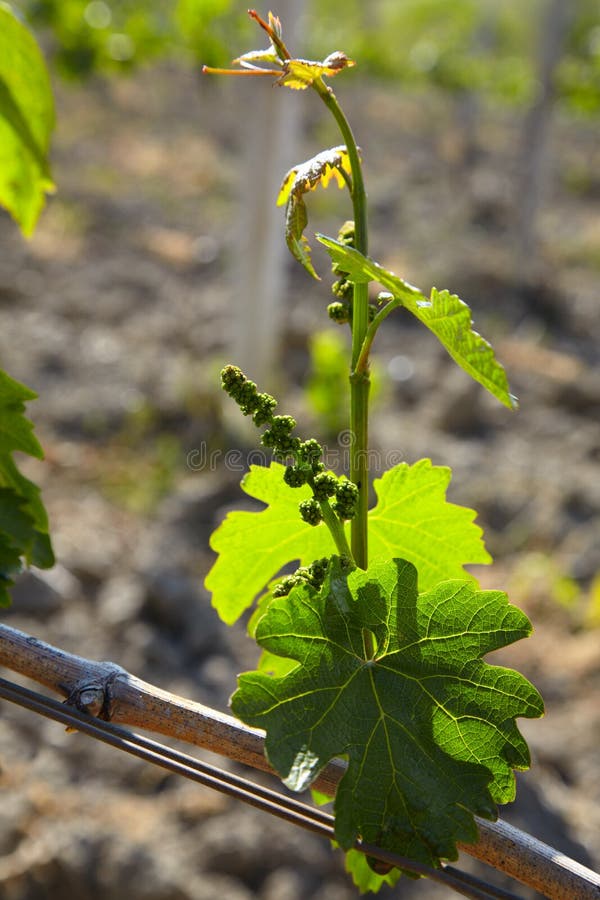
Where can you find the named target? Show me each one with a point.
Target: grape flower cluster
(314, 575)
(306, 466)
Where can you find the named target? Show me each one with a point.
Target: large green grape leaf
(411, 519)
(427, 728)
(254, 546)
(445, 314)
(26, 122)
(23, 520)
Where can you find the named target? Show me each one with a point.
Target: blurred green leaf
(452, 45)
(592, 618)
(23, 520)
(326, 389)
(26, 123)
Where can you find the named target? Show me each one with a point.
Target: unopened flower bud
(346, 234)
(265, 404)
(346, 498)
(310, 511)
(339, 312)
(310, 450)
(324, 485)
(294, 476)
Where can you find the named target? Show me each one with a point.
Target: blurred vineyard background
(161, 257)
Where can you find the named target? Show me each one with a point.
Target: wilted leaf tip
(319, 169)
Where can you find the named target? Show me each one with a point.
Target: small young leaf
(445, 314)
(299, 74)
(412, 519)
(275, 25)
(296, 220)
(248, 60)
(424, 713)
(23, 519)
(298, 181)
(320, 169)
(26, 122)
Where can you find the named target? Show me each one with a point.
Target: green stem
(359, 470)
(359, 378)
(336, 527)
(362, 362)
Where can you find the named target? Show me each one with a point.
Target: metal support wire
(287, 808)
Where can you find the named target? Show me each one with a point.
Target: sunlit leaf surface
(411, 518)
(445, 314)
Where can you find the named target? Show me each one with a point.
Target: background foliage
(454, 45)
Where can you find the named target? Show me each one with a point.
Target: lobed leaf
(298, 181)
(26, 122)
(428, 729)
(364, 877)
(411, 518)
(299, 74)
(23, 519)
(16, 432)
(254, 546)
(320, 169)
(445, 314)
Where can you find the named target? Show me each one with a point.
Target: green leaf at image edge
(26, 123)
(428, 729)
(16, 432)
(445, 314)
(24, 534)
(411, 519)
